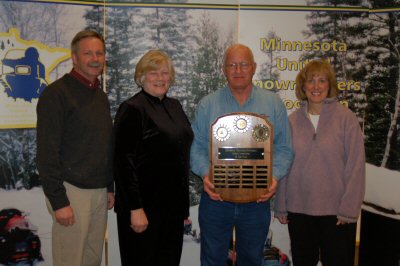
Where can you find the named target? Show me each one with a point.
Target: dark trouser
(160, 244)
(314, 238)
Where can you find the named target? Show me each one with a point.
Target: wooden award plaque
(241, 156)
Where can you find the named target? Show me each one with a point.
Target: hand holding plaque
(241, 156)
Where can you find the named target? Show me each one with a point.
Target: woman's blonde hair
(151, 61)
(312, 68)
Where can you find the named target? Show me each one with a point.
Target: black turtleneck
(151, 163)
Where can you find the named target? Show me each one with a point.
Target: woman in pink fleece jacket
(321, 197)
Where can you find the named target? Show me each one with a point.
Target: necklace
(314, 110)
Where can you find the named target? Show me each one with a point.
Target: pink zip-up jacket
(327, 176)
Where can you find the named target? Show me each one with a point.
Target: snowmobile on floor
(19, 245)
(187, 230)
(273, 256)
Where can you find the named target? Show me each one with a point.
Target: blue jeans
(217, 220)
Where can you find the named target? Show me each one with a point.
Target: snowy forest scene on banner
(363, 46)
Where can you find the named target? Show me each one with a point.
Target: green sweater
(74, 139)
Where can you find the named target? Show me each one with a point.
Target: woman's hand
(139, 220)
(340, 222)
(283, 220)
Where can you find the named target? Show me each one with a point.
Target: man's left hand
(271, 191)
(110, 200)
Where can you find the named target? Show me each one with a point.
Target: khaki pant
(82, 243)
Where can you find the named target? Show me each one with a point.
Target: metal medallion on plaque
(241, 156)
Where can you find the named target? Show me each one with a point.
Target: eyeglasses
(241, 65)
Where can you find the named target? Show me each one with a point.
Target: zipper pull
(315, 136)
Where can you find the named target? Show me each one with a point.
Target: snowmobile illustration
(19, 245)
(22, 74)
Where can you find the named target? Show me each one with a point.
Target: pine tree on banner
(120, 73)
(95, 19)
(169, 30)
(269, 70)
(383, 89)
(346, 30)
(208, 56)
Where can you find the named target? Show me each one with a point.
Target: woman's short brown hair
(311, 69)
(151, 61)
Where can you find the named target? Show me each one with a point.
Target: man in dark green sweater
(74, 155)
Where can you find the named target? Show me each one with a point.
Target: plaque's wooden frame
(240, 180)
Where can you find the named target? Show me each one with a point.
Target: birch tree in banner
(383, 91)
(342, 37)
(34, 21)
